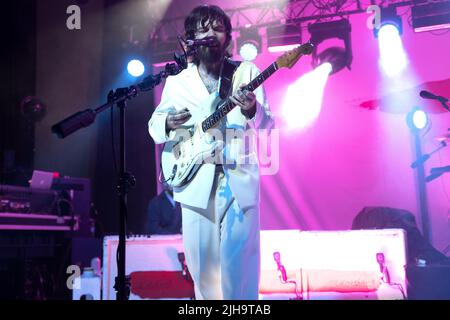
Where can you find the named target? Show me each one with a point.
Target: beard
(210, 54)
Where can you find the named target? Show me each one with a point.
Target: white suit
(220, 208)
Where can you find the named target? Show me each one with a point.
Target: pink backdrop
(353, 157)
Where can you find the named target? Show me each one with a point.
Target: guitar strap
(226, 77)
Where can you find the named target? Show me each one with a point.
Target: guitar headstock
(290, 58)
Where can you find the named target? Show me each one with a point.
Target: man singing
(220, 205)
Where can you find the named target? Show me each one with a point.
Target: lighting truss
(267, 13)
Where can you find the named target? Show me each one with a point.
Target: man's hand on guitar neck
(246, 100)
(176, 118)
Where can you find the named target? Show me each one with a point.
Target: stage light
(134, 58)
(393, 59)
(417, 119)
(338, 57)
(135, 68)
(389, 21)
(282, 38)
(420, 119)
(248, 51)
(249, 44)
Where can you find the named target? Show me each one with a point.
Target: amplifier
(31, 221)
(64, 207)
(154, 264)
(309, 265)
(27, 200)
(347, 264)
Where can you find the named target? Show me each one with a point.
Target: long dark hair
(203, 14)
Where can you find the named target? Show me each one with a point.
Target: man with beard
(220, 205)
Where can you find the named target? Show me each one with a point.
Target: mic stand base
(125, 182)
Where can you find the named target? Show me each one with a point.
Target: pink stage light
(393, 59)
(248, 51)
(303, 100)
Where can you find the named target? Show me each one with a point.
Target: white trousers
(221, 246)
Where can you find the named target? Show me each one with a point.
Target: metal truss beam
(268, 13)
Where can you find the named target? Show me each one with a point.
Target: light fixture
(135, 59)
(249, 43)
(282, 38)
(335, 56)
(393, 58)
(135, 67)
(417, 119)
(338, 57)
(389, 19)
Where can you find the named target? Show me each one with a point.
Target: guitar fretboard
(225, 108)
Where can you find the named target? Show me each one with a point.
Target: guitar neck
(225, 108)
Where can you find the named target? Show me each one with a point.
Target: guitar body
(187, 150)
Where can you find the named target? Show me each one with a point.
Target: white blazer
(186, 90)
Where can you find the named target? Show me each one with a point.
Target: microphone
(207, 42)
(428, 95)
(71, 124)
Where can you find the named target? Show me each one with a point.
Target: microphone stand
(427, 156)
(437, 172)
(443, 100)
(126, 180)
(444, 104)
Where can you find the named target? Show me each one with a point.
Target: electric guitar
(187, 149)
